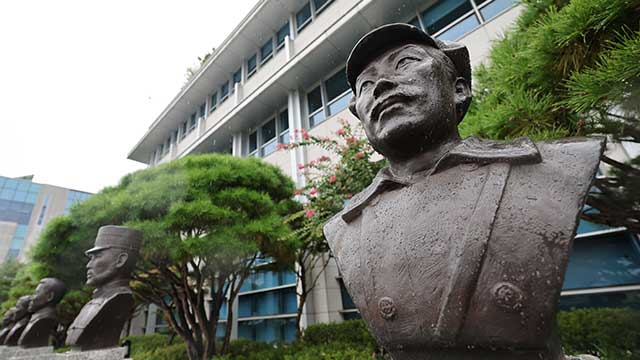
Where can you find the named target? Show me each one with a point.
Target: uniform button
(387, 308)
(508, 296)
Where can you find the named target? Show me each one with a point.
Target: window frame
(287, 26)
(325, 98)
(226, 95)
(213, 101)
(300, 27)
(250, 72)
(264, 59)
(261, 144)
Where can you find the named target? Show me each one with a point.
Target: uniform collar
(469, 151)
(117, 286)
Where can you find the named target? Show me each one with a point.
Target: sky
(81, 81)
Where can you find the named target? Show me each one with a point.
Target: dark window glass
(314, 100)
(266, 51)
(192, 122)
(252, 63)
(213, 101)
(282, 34)
(184, 129)
(415, 22)
(320, 4)
(336, 85)
(253, 141)
(618, 299)
(444, 13)
(495, 8)
(269, 131)
(237, 76)
(347, 303)
(203, 109)
(268, 330)
(608, 260)
(303, 17)
(268, 303)
(351, 316)
(459, 29)
(224, 91)
(284, 120)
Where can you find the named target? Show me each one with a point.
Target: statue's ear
(352, 106)
(122, 259)
(462, 97)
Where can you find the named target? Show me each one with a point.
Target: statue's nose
(383, 85)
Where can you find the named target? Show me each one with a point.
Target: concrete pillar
(152, 312)
(288, 48)
(237, 96)
(236, 147)
(294, 106)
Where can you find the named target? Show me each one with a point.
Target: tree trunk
(303, 296)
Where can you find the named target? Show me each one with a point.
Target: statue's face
(105, 265)
(406, 99)
(41, 297)
(22, 307)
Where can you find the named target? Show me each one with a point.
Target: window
(264, 279)
(224, 91)
(320, 5)
(283, 120)
(237, 79)
(494, 8)
(415, 22)
(282, 34)
(303, 17)
(314, 104)
(268, 330)
(266, 51)
(444, 13)
(192, 123)
(268, 132)
(338, 92)
(268, 303)
(213, 101)
(264, 140)
(183, 130)
(458, 30)
(252, 64)
(337, 95)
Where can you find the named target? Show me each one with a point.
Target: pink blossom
(312, 163)
(349, 196)
(332, 179)
(358, 155)
(323, 158)
(305, 135)
(300, 166)
(281, 146)
(351, 140)
(309, 213)
(313, 191)
(340, 131)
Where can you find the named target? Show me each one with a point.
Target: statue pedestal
(17, 352)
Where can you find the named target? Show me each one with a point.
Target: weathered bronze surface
(20, 319)
(7, 324)
(112, 260)
(458, 249)
(42, 306)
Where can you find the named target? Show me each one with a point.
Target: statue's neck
(111, 287)
(406, 166)
(48, 311)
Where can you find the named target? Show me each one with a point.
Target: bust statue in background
(21, 317)
(458, 249)
(42, 306)
(7, 324)
(111, 262)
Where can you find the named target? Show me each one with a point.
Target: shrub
(354, 332)
(147, 343)
(612, 334)
(333, 351)
(172, 352)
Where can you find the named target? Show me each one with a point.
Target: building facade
(281, 69)
(25, 209)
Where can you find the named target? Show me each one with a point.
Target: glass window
(268, 330)
(224, 91)
(314, 103)
(269, 130)
(11, 184)
(266, 51)
(282, 34)
(618, 299)
(213, 101)
(284, 127)
(415, 22)
(184, 130)
(459, 29)
(23, 185)
(444, 13)
(203, 109)
(351, 316)
(192, 122)
(303, 17)
(494, 8)
(237, 76)
(253, 142)
(252, 64)
(336, 85)
(268, 303)
(347, 302)
(320, 5)
(608, 260)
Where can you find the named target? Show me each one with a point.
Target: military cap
(378, 40)
(122, 237)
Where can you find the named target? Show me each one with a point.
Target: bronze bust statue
(7, 324)
(458, 249)
(112, 260)
(42, 306)
(20, 319)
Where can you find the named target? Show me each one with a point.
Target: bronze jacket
(467, 257)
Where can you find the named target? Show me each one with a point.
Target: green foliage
(354, 332)
(612, 334)
(171, 352)
(8, 272)
(24, 283)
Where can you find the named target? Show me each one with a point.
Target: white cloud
(81, 81)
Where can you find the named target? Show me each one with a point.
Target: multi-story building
(282, 68)
(25, 209)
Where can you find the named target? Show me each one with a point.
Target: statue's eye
(406, 61)
(365, 85)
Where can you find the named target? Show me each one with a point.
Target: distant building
(25, 208)
(282, 68)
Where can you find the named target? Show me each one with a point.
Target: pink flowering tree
(331, 181)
